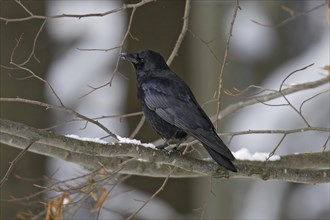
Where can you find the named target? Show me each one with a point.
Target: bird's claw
(176, 150)
(172, 151)
(169, 152)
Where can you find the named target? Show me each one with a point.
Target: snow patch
(97, 140)
(121, 140)
(245, 154)
(125, 140)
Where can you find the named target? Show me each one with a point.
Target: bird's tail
(221, 160)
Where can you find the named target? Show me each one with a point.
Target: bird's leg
(176, 147)
(173, 150)
(162, 147)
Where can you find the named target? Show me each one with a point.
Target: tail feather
(212, 140)
(220, 159)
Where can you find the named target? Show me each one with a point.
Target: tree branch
(13, 163)
(79, 16)
(225, 57)
(182, 34)
(265, 98)
(311, 168)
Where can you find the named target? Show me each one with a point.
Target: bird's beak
(129, 57)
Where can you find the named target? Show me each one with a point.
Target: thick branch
(309, 168)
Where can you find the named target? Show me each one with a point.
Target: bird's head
(145, 60)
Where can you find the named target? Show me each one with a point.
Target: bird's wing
(175, 103)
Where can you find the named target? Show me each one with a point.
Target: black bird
(171, 108)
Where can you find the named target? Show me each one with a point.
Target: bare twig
(12, 164)
(32, 54)
(224, 61)
(237, 92)
(207, 200)
(127, 33)
(138, 127)
(287, 100)
(41, 79)
(78, 16)
(276, 147)
(182, 34)
(291, 18)
(290, 131)
(264, 98)
(30, 71)
(326, 143)
(206, 44)
(313, 97)
(93, 89)
(48, 106)
(121, 116)
(153, 195)
(123, 41)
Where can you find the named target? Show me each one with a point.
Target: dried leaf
(55, 207)
(327, 68)
(102, 198)
(91, 180)
(102, 171)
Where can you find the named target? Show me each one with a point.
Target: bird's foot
(169, 152)
(162, 148)
(175, 150)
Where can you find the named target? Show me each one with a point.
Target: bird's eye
(141, 60)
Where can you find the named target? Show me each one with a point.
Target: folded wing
(181, 109)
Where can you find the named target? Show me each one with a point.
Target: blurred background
(258, 55)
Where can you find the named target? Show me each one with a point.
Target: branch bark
(311, 168)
